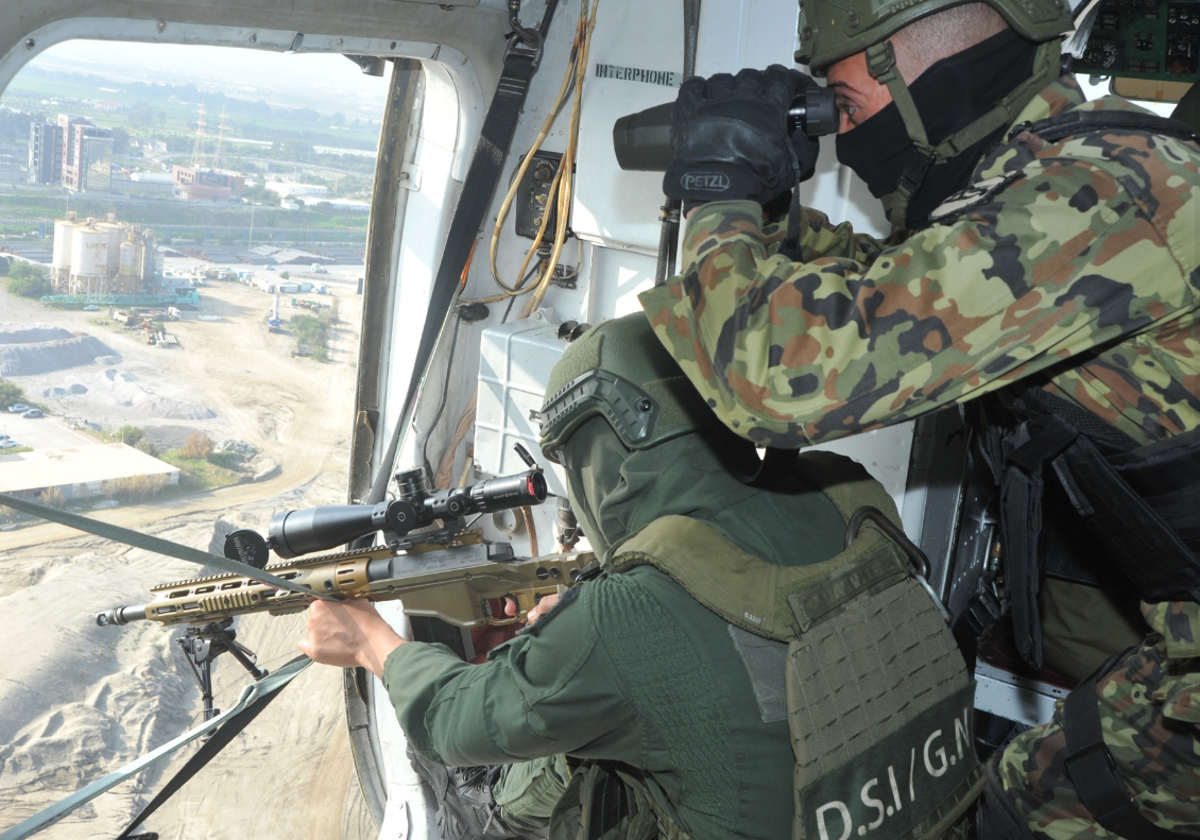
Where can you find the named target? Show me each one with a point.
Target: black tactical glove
(730, 139)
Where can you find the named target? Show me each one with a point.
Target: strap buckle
(1085, 755)
(881, 61)
(524, 41)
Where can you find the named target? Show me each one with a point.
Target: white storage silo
(89, 252)
(128, 265)
(62, 246)
(116, 235)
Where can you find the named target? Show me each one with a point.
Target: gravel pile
(115, 387)
(30, 350)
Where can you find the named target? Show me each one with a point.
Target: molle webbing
(880, 711)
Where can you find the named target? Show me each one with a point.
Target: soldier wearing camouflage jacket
(1153, 744)
(1065, 262)
(1078, 261)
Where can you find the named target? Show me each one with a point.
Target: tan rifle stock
(453, 582)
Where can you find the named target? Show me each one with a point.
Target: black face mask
(949, 96)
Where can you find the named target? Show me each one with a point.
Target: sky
(245, 73)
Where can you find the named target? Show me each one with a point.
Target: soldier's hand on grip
(730, 138)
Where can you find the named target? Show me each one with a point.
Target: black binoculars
(643, 140)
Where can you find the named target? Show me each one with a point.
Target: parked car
(18, 408)
(8, 443)
(91, 307)
(33, 412)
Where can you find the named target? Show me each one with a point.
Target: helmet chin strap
(881, 63)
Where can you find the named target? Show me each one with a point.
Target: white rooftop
(76, 465)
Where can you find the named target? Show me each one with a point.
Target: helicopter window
(182, 230)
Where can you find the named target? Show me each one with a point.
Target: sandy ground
(78, 701)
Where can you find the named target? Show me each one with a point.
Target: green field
(159, 115)
(25, 214)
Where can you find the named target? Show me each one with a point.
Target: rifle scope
(297, 532)
(643, 140)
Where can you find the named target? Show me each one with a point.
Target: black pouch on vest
(1134, 508)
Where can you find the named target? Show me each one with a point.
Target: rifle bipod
(202, 645)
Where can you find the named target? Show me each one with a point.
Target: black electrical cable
(520, 285)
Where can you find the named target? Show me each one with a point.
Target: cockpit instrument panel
(1144, 39)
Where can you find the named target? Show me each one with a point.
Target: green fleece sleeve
(541, 694)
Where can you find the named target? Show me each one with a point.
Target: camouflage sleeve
(820, 238)
(790, 353)
(1149, 706)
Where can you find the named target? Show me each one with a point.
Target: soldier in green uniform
(1046, 254)
(737, 670)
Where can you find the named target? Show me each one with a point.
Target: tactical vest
(879, 702)
(1137, 507)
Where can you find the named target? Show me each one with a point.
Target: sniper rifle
(447, 571)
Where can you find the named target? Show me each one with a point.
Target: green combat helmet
(620, 371)
(831, 30)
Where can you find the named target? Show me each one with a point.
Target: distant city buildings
(45, 153)
(86, 155)
(294, 189)
(73, 153)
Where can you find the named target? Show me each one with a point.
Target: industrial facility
(98, 259)
(194, 183)
(201, 182)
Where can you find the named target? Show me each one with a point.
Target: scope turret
(296, 532)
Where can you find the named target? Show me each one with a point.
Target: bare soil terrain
(78, 701)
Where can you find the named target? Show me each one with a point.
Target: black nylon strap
(996, 818)
(1092, 770)
(220, 739)
(1021, 529)
(155, 544)
(1075, 122)
(1046, 440)
(1141, 502)
(495, 138)
(1022, 488)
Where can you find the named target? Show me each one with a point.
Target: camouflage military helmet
(618, 370)
(830, 30)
